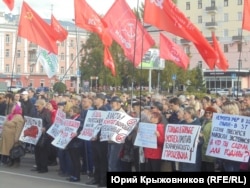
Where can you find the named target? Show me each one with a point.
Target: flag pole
(75, 58)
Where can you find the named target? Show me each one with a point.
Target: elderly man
(42, 147)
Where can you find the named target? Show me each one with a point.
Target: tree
(59, 87)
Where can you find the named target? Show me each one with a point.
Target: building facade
(224, 17)
(18, 60)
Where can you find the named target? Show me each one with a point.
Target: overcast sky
(62, 9)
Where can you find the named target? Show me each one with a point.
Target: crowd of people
(94, 158)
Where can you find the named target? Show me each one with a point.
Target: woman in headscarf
(12, 128)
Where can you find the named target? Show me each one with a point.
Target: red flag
(171, 51)
(177, 23)
(108, 60)
(59, 32)
(246, 15)
(127, 31)
(9, 3)
(35, 29)
(222, 61)
(87, 18)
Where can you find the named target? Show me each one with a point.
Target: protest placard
(32, 130)
(181, 142)
(230, 137)
(92, 124)
(117, 126)
(65, 136)
(58, 124)
(146, 136)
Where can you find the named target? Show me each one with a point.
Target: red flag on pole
(87, 18)
(127, 31)
(108, 60)
(35, 29)
(246, 15)
(59, 32)
(9, 3)
(171, 51)
(165, 15)
(222, 61)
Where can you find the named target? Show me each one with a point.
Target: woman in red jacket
(153, 156)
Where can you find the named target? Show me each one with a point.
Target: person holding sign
(75, 145)
(114, 149)
(208, 162)
(12, 128)
(230, 165)
(99, 149)
(153, 155)
(190, 118)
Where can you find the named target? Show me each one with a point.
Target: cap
(100, 96)
(116, 99)
(25, 93)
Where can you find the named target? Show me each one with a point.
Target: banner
(230, 137)
(152, 60)
(181, 143)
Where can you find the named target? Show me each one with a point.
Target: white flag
(49, 61)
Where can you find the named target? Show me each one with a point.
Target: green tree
(59, 87)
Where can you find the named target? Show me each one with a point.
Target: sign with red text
(117, 126)
(230, 137)
(2, 120)
(32, 130)
(58, 124)
(92, 124)
(146, 135)
(66, 134)
(181, 142)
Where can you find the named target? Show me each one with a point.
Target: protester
(190, 118)
(208, 162)
(12, 128)
(114, 149)
(42, 147)
(153, 155)
(99, 149)
(75, 145)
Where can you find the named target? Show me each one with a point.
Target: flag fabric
(60, 33)
(127, 31)
(87, 18)
(178, 24)
(35, 29)
(48, 60)
(222, 62)
(171, 51)
(9, 3)
(246, 15)
(108, 60)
